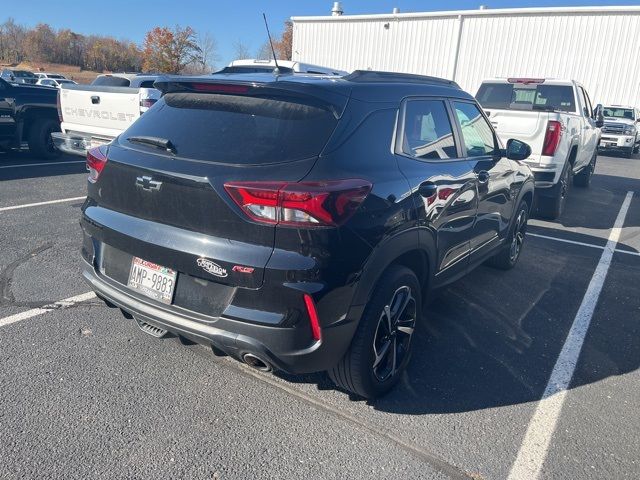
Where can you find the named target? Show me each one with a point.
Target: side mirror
(599, 116)
(517, 150)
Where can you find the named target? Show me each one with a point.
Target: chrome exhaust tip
(256, 362)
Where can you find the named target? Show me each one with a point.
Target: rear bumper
(75, 143)
(234, 337)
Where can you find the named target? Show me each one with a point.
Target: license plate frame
(141, 279)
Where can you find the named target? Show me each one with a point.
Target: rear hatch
(522, 108)
(164, 181)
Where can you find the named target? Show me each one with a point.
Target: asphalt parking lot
(85, 394)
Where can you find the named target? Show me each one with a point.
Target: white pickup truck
(556, 118)
(95, 114)
(620, 130)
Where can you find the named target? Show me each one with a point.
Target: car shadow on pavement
(21, 165)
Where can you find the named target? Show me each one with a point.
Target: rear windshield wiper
(154, 142)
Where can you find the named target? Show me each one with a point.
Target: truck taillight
(146, 104)
(552, 138)
(96, 160)
(59, 106)
(304, 204)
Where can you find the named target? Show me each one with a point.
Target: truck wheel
(508, 255)
(552, 207)
(40, 142)
(583, 179)
(381, 347)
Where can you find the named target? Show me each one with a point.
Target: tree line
(164, 50)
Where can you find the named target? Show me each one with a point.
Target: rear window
(111, 82)
(237, 129)
(507, 96)
(55, 76)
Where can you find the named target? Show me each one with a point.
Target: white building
(597, 46)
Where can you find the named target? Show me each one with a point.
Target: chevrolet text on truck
(620, 130)
(556, 118)
(95, 114)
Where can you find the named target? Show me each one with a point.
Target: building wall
(598, 46)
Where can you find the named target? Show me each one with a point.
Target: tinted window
(147, 84)
(614, 112)
(476, 132)
(55, 76)
(507, 96)
(237, 129)
(427, 130)
(111, 82)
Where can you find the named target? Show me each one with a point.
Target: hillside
(69, 71)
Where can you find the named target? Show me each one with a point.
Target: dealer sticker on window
(152, 280)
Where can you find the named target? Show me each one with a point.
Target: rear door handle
(483, 176)
(427, 189)
(95, 99)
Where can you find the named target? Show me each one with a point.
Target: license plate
(152, 280)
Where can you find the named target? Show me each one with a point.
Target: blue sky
(228, 21)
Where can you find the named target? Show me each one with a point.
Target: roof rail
(385, 77)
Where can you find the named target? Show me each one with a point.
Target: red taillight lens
(304, 204)
(59, 107)
(96, 160)
(552, 138)
(147, 103)
(313, 317)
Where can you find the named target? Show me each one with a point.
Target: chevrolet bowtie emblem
(148, 184)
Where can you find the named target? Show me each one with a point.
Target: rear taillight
(147, 103)
(96, 160)
(305, 204)
(314, 322)
(59, 106)
(552, 138)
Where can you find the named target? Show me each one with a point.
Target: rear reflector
(525, 81)
(313, 317)
(147, 103)
(305, 204)
(96, 160)
(552, 138)
(219, 88)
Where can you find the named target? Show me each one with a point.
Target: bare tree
(240, 50)
(206, 58)
(264, 52)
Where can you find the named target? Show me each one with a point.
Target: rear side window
(427, 131)
(507, 96)
(477, 134)
(111, 82)
(147, 84)
(238, 129)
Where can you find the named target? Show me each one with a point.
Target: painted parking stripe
(67, 302)
(573, 242)
(38, 204)
(537, 440)
(42, 164)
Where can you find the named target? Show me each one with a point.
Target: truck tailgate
(106, 107)
(527, 126)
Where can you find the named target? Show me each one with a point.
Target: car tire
(381, 347)
(583, 179)
(627, 152)
(551, 207)
(40, 142)
(508, 255)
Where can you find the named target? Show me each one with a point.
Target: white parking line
(537, 440)
(573, 242)
(47, 308)
(42, 164)
(50, 202)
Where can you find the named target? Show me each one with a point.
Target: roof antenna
(277, 69)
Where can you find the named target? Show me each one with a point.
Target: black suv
(297, 222)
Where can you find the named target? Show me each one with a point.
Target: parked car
(250, 65)
(28, 114)
(55, 76)
(620, 130)
(95, 114)
(297, 223)
(557, 119)
(55, 82)
(18, 76)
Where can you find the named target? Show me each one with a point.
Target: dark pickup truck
(28, 114)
